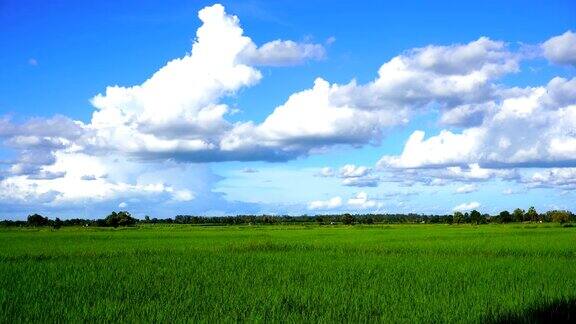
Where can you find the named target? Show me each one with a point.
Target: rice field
(396, 273)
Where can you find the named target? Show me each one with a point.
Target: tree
(122, 218)
(37, 220)
(476, 217)
(518, 215)
(505, 217)
(348, 219)
(458, 217)
(57, 223)
(531, 214)
(559, 216)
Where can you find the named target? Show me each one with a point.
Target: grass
(397, 273)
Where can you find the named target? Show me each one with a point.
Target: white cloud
(122, 205)
(467, 188)
(362, 201)
(510, 191)
(358, 176)
(561, 49)
(441, 176)
(80, 177)
(325, 172)
(282, 53)
(467, 115)
(467, 206)
(330, 114)
(179, 114)
(532, 126)
(367, 181)
(352, 171)
(332, 203)
(183, 195)
(559, 178)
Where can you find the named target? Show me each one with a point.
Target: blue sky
(170, 107)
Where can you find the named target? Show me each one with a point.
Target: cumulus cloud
(559, 178)
(441, 176)
(331, 203)
(325, 172)
(352, 175)
(47, 175)
(352, 171)
(282, 53)
(182, 195)
(467, 115)
(180, 114)
(467, 206)
(531, 127)
(561, 49)
(358, 176)
(467, 188)
(362, 201)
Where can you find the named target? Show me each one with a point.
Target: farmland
(398, 273)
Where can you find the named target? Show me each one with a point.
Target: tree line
(124, 218)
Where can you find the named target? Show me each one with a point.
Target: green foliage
(57, 223)
(458, 218)
(518, 215)
(380, 273)
(505, 217)
(348, 219)
(559, 216)
(37, 220)
(532, 214)
(476, 217)
(122, 218)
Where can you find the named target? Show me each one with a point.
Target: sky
(175, 107)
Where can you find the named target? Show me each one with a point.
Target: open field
(399, 273)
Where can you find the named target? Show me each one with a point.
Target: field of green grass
(397, 273)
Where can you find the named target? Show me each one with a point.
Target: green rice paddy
(396, 273)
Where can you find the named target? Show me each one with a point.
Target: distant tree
(348, 219)
(122, 218)
(505, 216)
(37, 220)
(559, 216)
(319, 220)
(458, 217)
(57, 223)
(518, 215)
(531, 214)
(476, 217)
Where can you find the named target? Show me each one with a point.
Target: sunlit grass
(397, 273)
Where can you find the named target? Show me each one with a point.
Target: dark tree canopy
(122, 218)
(37, 220)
